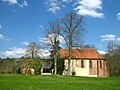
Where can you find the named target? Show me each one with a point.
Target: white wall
(83, 71)
(75, 66)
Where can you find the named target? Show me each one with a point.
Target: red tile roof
(81, 53)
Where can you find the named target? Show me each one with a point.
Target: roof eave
(86, 58)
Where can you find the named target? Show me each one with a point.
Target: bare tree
(72, 32)
(33, 50)
(113, 58)
(53, 40)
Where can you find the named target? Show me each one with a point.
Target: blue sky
(23, 21)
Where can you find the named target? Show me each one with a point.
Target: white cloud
(109, 37)
(25, 43)
(44, 53)
(54, 5)
(19, 52)
(118, 16)
(45, 40)
(15, 2)
(14, 52)
(1, 37)
(50, 38)
(67, 0)
(24, 4)
(102, 52)
(118, 39)
(12, 2)
(89, 8)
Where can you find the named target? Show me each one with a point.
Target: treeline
(7, 65)
(13, 65)
(113, 58)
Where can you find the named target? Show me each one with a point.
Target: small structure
(47, 68)
(26, 71)
(84, 62)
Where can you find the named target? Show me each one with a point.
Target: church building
(85, 62)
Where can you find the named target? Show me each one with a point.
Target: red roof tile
(80, 53)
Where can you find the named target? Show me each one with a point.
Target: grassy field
(23, 82)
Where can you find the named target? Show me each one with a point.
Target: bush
(2, 72)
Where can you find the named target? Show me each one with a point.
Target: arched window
(90, 63)
(82, 63)
(100, 64)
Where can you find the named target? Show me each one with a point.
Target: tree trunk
(55, 64)
(69, 65)
(70, 55)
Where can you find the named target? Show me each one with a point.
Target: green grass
(29, 82)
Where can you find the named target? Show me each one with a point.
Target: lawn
(29, 82)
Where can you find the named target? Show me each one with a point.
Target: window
(82, 63)
(100, 64)
(90, 63)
